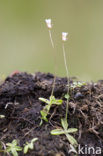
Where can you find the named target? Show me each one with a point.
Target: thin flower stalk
(64, 38)
(50, 35)
(52, 43)
(49, 25)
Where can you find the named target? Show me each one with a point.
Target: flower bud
(48, 22)
(64, 36)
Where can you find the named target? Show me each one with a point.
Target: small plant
(13, 148)
(67, 96)
(77, 84)
(49, 103)
(2, 116)
(67, 131)
(29, 145)
(52, 99)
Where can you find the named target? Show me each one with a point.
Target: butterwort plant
(13, 148)
(64, 122)
(77, 84)
(52, 100)
(29, 145)
(49, 103)
(66, 131)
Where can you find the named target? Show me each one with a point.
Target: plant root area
(19, 102)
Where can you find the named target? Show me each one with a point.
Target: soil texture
(19, 103)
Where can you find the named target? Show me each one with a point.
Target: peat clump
(19, 103)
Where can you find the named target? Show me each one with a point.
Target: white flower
(64, 36)
(48, 22)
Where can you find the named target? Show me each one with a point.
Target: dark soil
(19, 103)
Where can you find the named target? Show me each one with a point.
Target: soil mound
(19, 103)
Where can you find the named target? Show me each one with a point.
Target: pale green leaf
(61, 131)
(44, 100)
(64, 123)
(71, 139)
(67, 96)
(30, 145)
(47, 108)
(34, 139)
(13, 151)
(72, 130)
(41, 122)
(18, 148)
(14, 142)
(26, 149)
(2, 116)
(58, 102)
(55, 101)
(52, 98)
(9, 144)
(57, 132)
(44, 115)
